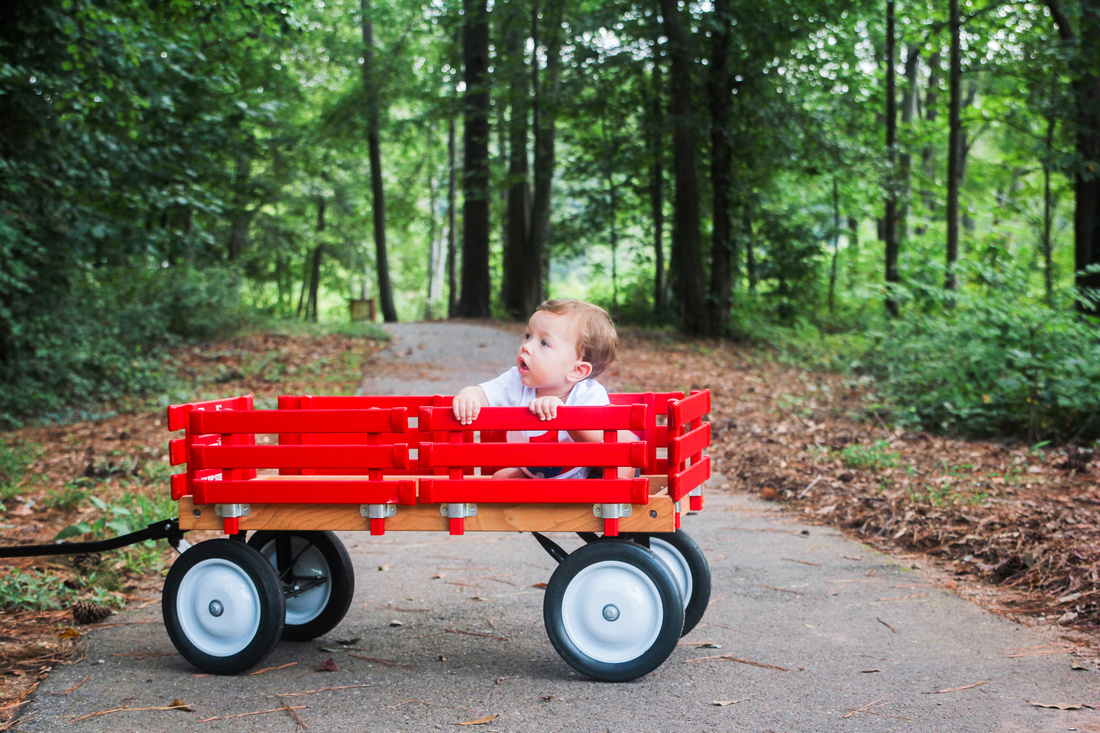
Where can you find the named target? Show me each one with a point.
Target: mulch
(1015, 527)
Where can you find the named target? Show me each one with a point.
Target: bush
(993, 367)
(107, 337)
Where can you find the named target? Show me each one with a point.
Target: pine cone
(86, 612)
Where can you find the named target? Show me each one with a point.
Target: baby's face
(548, 353)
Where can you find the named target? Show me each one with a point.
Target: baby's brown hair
(597, 341)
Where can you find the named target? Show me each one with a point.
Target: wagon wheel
(691, 570)
(613, 611)
(223, 606)
(317, 577)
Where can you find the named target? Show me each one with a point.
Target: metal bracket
(456, 511)
(697, 491)
(378, 511)
(611, 511)
(227, 511)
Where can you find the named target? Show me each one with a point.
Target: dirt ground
(1011, 526)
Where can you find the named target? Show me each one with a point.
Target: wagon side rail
(224, 461)
(655, 431)
(456, 452)
(688, 437)
(412, 435)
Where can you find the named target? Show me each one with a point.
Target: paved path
(807, 631)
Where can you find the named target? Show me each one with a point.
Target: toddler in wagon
(568, 343)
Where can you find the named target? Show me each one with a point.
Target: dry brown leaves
(996, 515)
(1021, 520)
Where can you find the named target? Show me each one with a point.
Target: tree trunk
(545, 129)
(953, 149)
(890, 224)
(655, 149)
(518, 206)
(928, 153)
(909, 114)
(378, 197)
(1048, 213)
(240, 218)
(1086, 117)
(474, 301)
(719, 91)
(435, 237)
(750, 249)
(836, 247)
(452, 202)
(688, 280)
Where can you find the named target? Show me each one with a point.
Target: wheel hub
(216, 608)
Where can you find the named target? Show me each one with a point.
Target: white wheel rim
(303, 608)
(677, 564)
(612, 612)
(218, 607)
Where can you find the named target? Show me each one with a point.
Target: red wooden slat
(690, 444)
(311, 491)
(534, 491)
(607, 417)
(689, 408)
(455, 455)
(299, 421)
(177, 414)
(685, 481)
(300, 456)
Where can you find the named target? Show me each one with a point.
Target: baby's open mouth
(522, 365)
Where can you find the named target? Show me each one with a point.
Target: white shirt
(508, 390)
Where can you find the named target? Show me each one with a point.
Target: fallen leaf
(768, 493)
(329, 665)
(180, 705)
(481, 721)
(539, 585)
(384, 567)
(725, 703)
(869, 671)
(396, 623)
(439, 576)
(69, 633)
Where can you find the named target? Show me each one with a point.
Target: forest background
(905, 190)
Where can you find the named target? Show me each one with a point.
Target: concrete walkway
(807, 631)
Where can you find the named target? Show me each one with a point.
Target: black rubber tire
(692, 560)
(223, 606)
(317, 555)
(623, 579)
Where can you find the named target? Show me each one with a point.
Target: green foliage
(993, 365)
(15, 457)
(106, 338)
(871, 457)
(34, 590)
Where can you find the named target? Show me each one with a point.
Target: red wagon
(288, 478)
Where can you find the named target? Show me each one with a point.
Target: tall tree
(954, 146)
(545, 115)
(378, 196)
(890, 221)
(687, 259)
(1084, 41)
(474, 300)
(655, 148)
(512, 62)
(720, 83)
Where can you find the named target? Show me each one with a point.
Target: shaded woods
(897, 176)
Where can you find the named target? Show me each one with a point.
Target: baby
(567, 344)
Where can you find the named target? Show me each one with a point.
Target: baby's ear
(581, 371)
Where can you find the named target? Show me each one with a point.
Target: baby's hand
(466, 408)
(545, 407)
